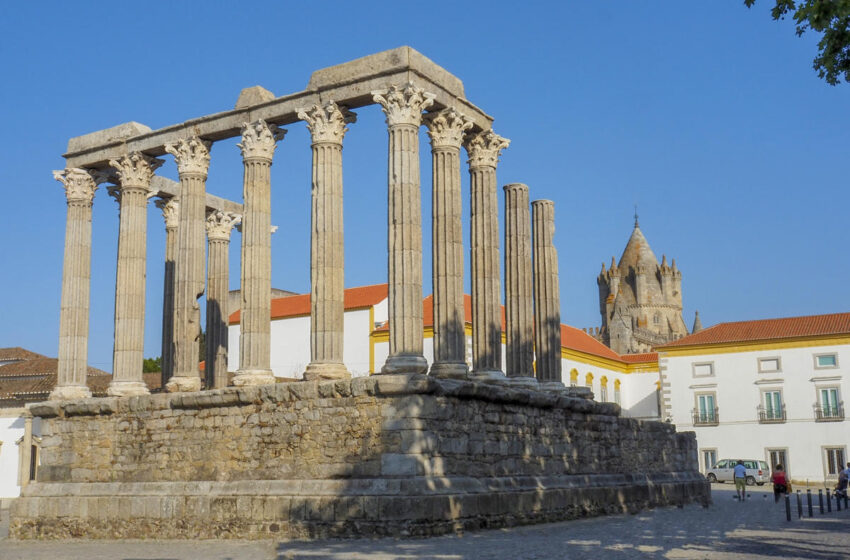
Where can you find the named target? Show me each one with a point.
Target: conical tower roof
(638, 252)
(697, 324)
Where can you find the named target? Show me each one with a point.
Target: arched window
(603, 389)
(617, 391)
(588, 380)
(573, 377)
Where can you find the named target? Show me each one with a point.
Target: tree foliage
(150, 365)
(830, 17)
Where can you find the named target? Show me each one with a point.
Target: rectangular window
(825, 361)
(703, 370)
(778, 457)
(709, 459)
(834, 461)
(706, 411)
(767, 365)
(772, 406)
(829, 406)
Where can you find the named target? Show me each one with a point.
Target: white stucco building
(770, 390)
(631, 381)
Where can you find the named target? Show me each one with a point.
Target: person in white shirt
(741, 480)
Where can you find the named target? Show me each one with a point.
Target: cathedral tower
(639, 299)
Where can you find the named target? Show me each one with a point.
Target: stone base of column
(181, 384)
(488, 376)
(69, 393)
(405, 363)
(326, 371)
(449, 370)
(249, 377)
(127, 389)
(552, 386)
(523, 381)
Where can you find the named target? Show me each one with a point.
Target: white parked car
(724, 470)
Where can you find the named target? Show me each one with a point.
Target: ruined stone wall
(351, 429)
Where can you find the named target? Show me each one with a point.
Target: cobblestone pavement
(754, 530)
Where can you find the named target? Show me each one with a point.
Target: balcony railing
(706, 417)
(829, 412)
(771, 415)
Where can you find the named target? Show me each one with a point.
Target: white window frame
(702, 453)
(825, 456)
(764, 402)
(713, 413)
(833, 354)
(784, 450)
(770, 358)
(694, 366)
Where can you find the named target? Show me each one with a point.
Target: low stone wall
(383, 455)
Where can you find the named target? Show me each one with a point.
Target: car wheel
(751, 481)
(711, 478)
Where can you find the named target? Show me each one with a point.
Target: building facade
(770, 390)
(640, 300)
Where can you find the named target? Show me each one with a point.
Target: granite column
(547, 298)
(446, 129)
(327, 263)
(403, 107)
(219, 225)
(484, 149)
(193, 160)
(76, 285)
(259, 141)
(135, 172)
(171, 213)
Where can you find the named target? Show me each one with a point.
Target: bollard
(828, 501)
(787, 507)
(809, 501)
(799, 505)
(820, 499)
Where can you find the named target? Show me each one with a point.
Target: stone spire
(697, 323)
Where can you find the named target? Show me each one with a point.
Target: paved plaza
(728, 530)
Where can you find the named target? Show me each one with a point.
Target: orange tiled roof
(638, 358)
(299, 305)
(18, 353)
(577, 339)
(768, 329)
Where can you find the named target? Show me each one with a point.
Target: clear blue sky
(710, 118)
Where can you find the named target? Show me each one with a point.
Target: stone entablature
(381, 455)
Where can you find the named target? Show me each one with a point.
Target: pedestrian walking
(780, 482)
(741, 480)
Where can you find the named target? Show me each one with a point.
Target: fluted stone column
(327, 264)
(484, 149)
(135, 172)
(446, 129)
(171, 213)
(519, 316)
(193, 160)
(259, 141)
(403, 107)
(547, 298)
(76, 284)
(218, 224)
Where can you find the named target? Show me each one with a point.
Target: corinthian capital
(259, 140)
(447, 128)
(192, 155)
(170, 211)
(79, 184)
(327, 123)
(220, 223)
(136, 169)
(484, 148)
(403, 105)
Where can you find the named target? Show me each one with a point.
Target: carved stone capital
(192, 155)
(79, 184)
(220, 223)
(447, 128)
(484, 148)
(170, 211)
(136, 169)
(403, 105)
(259, 140)
(327, 123)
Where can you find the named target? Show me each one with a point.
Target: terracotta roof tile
(299, 305)
(18, 353)
(577, 339)
(767, 329)
(638, 358)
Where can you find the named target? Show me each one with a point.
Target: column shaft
(547, 299)
(76, 283)
(192, 157)
(446, 129)
(327, 262)
(258, 144)
(403, 108)
(170, 211)
(219, 225)
(519, 303)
